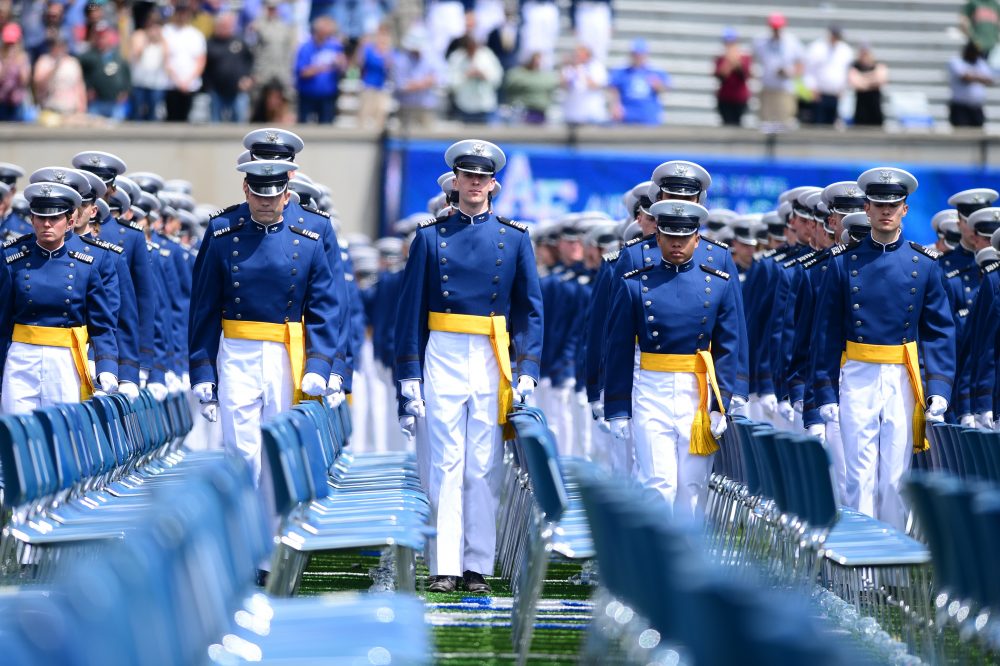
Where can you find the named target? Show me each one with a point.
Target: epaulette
(714, 271)
(317, 211)
(633, 241)
(130, 224)
(85, 258)
(566, 276)
(843, 247)
(799, 260)
(224, 231)
(818, 259)
(164, 252)
(637, 271)
(612, 256)
(222, 211)
(959, 271)
(780, 256)
(807, 256)
(990, 267)
(111, 247)
(15, 241)
(724, 246)
(150, 245)
(303, 232)
(769, 253)
(21, 254)
(933, 254)
(963, 313)
(431, 223)
(511, 223)
(583, 279)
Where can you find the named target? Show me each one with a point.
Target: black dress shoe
(262, 577)
(474, 582)
(443, 584)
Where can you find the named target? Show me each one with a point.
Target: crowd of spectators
(479, 61)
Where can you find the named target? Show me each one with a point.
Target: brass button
(295, 242)
(496, 278)
(444, 278)
(711, 259)
(914, 274)
(295, 255)
(444, 260)
(645, 289)
(286, 319)
(913, 290)
(502, 230)
(69, 287)
(499, 261)
(909, 309)
(648, 303)
(649, 318)
(236, 300)
(647, 260)
(444, 244)
(854, 257)
(291, 288)
(67, 301)
(706, 304)
(447, 310)
(492, 313)
(445, 294)
(235, 253)
(708, 290)
(704, 320)
(236, 269)
(856, 306)
(906, 324)
(860, 339)
(236, 284)
(236, 239)
(701, 336)
(854, 274)
(290, 303)
(854, 290)
(708, 278)
(295, 271)
(656, 334)
(645, 277)
(857, 323)
(915, 260)
(493, 297)
(239, 316)
(500, 245)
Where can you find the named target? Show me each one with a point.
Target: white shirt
(773, 55)
(185, 46)
(582, 103)
(827, 65)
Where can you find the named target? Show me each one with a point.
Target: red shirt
(733, 86)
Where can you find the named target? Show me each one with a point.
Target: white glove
(786, 411)
(597, 410)
(129, 390)
(173, 382)
(817, 430)
(525, 388)
(581, 398)
(143, 376)
(985, 420)
(620, 429)
(408, 424)
(830, 413)
(936, 407)
(967, 421)
(769, 403)
(797, 406)
(737, 406)
(159, 391)
(108, 383)
(203, 391)
(314, 384)
(210, 410)
(185, 382)
(718, 424)
(336, 391)
(414, 405)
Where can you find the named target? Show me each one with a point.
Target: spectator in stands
(530, 90)
(58, 81)
(504, 40)
(980, 20)
(826, 65)
(148, 55)
(185, 62)
(318, 66)
(106, 75)
(867, 76)
(969, 74)
(375, 57)
(780, 59)
(415, 80)
(15, 74)
(474, 78)
(585, 81)
(358, 19)
(272, 107)
(228, 68)
(539, 30)
(42, 23)
(274, 47)
(732, 69)
(635, 90)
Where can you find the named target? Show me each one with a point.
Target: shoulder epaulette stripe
(721, 244)
(933, 254)
(635, 272)
(431, 223)
(18, 255)
(221, 232)
(990, 267)
(633, 241)
(85, 258)
(714, 271)
(102, 244)
(818, 259)
(779, 257)
(130, 224)
(303, 232)
(511, 223)
(807, 256)
(317, 211)
(222, 211)
(612, 256)
(954, 273)
(843, 247)
(964, 312)
(15, 241)
(769, 253)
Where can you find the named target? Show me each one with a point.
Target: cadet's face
(663, 196)
(677, 249)
(886, 218)
(570, 251)
(592, 257)
(473, 189)
(743, 254)
(647, 223)
(968, 233)
(50, 230)
(802, 227)
(265, 210)
(83, 215)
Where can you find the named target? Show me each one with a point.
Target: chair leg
(406, 569)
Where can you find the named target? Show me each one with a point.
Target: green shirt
(984, 23)
(531, 88)
(107, 74)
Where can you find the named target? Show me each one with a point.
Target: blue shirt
(639, 100)
(324, 83)
(375, 71)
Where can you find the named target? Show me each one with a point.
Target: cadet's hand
(967, 421)
(597, 410)
(769, 402)
(620, 429)
(143, 376)
(985, 420)
(830, 413)
(718, 423)
(210, 410)
(159, 391)
(414, 404)
(314, 384)
(108, 383)
(129, 390)
(408, 424)
(173, 382)
(204, 391)
(525, 388)
(185, 382)
(936, 407)
(738, 406)
(817, 430)
(797, 406)
(335, 389)
(786, 411)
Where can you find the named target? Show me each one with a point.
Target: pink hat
(776, 20)
(11, 33)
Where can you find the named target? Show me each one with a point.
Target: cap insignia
(479, 149)
(60, 176)
(885, 176)
(681, 170)
(678, 210)
(271, 137)
(95, 160)
(46, 190)
(268, 169)
(852, 192)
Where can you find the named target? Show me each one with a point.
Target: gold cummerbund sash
(291, 334)
(50, 336)
(703, 367)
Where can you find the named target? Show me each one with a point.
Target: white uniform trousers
(601, 444)
(204, 435)
(593, 28)
(876, 423)
(559, 414)
(539, 31)
(368, 404)
(461, 380)
(835, 446)
(38, 376)
(394, 438)
(582, 421)
(663, 409)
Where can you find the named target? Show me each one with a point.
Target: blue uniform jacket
(673, 310)
(884, 295)
(563, 325)
(983, 324)
(483, 266)
(274, 274)
(597, 316)
(584, 296)
(163, 321)
(131, 237)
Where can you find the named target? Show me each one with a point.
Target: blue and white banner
(543, 182)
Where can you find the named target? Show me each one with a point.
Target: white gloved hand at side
(830, 413)
(414, 404)
(797, 406)
(203, 391)
(936, 407)
(786, 411)
(314, 384)
(335, 391)
(525, 388)
(985, 420)
(817, 430)
(967, 421)
(620, 429)
(717, 423)
(143, 376)
(597, 410)
(769, 403)
(210, 411)
(158, 390)
(129, 390)
(737, 406)
(107, 382)
(173, 382)
(408, 424)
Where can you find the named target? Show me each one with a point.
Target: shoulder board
(633, 241)
(769, 253)
(150, 245)
(85, 258)
(843, 247)
(806, 257)
(790, 263)
(164, 252)
(223, 211)
(637, 271)
(721, 244)
(567, 276)
(17, 255)
(583, 279)
(511, 223)
(714, 271)
(818, 259)
(111, 247)
(933, 254)
(303, 232)
(224, 231)
(990, 267)
(963, 313)
(431, 223)
(130, 224)
(612, 256)
(959, 271)
(779, 257)
(316, 211)
(15, 241)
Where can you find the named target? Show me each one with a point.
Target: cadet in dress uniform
(984, 326)
(452, 333)
(943, 244)
(686, 351)
(58, 304)
(966, 203)
(12, 222)
(881, 298)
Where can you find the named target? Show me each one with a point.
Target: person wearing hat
(966, 203)
(983, 323)
(963, 283)
(941, 223)
(635, 89)
(881, 298)
(58, 305)
(467, 276)
(780, 57)
(744, 245)
(12, 223)
(686, 353)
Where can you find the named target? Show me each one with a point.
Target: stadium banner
(544, 181)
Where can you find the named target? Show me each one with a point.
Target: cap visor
(268, 190)
(49, 211)
(677, 231)
(474, 169)
(886, 198)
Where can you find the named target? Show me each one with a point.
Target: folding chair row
(71, 470)
(967, 453)
(329, 500)
(663, 601)
(178, 590)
